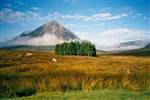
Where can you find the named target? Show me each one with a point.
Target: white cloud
(76, 17)
(102, 15)
(46, 39)
(83, 35)
(108, 16)
(10, 16)
(72, 1)
(95, 17)
(115, 36)
(109, 39)
(35, 8)
(116, 16)
(71, 26)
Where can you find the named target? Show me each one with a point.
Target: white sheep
(54, 60)
(28, 54)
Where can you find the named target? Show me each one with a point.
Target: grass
(88, 95)
(139, 52)
(72, 73)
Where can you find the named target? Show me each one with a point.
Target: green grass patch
(89, 95)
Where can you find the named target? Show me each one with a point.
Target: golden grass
(72, 72)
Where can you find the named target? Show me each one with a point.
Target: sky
(99, 21)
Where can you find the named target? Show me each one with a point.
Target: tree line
(83, 48)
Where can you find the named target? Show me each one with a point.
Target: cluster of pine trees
(84, 48)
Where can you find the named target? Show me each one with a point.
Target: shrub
(25, 91)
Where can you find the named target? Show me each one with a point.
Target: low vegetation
(23, 75)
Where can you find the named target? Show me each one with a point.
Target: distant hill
(130, 43)
(137, 52)
(136, 48)
(30, 48)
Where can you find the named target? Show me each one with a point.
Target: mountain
(124, 46)
(48, 34)
(147, 46)
(130, 45)
(136, 48)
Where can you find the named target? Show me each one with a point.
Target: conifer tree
(76, 48)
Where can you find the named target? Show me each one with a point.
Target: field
(73, 76)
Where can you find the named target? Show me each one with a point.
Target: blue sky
(99, 21)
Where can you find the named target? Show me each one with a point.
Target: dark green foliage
(84, 48)
(25, 91)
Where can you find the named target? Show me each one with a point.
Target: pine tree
(76, 48)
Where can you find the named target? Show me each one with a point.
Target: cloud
(10, 16)
(95, 17)
(71, 26)
(108, 16)
(118, 35)
(36, 8)
(110, 39)
(102, 15)
(46, 39)
(82, 35)
(72, 1)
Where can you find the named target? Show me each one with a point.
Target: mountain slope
(124, 46)
(147, 46)
(133, 44)
(139, 48)
(137, 52)
(47, 34)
